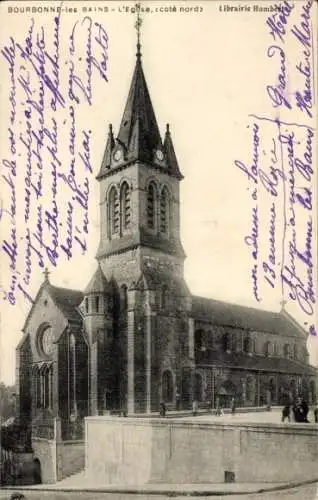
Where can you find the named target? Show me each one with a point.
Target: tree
(7, 401)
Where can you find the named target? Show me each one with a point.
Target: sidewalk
(79, 482)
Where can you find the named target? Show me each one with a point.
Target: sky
(207, 71)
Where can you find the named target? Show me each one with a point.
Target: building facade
(136, 336)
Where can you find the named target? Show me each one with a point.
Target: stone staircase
(70, 458)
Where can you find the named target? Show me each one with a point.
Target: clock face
(159, 154)
(117, 155)
(47, 341)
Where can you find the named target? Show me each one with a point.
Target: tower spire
(46, 274)
(138, 24)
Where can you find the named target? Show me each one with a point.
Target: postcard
(158, 225)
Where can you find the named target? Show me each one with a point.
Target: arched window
(165, 297)
(313, 391)
(123, 298)
(151, 206)
(293, 388)
(72, 373)
(210, 339)
(167, 386)
(226, 342)
(125, 206)
(249, 389)
(86, 305)
(113, 208)
(38, 388)
(198, 339)
(164, 211)
(96, 300)
(247, 344)
(272, 389)
(234, 341)
(198, 387)
(46, 387)
(268, 349)
(51, 387)
(287, 350)
(295, 353)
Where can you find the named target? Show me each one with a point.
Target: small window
(249, 389)
(123, 298)
(113, 209)
(198, 338)
(164, 211)
(86, 305)
(268, 349)
(234, 341)
(151, 206)
(97, 303)
(125, 206)
(109, 304)
(38, 388)
(165, 297)
(246, 345)
(226, 342)
(167, 386)
(198, 387)
(287, 351)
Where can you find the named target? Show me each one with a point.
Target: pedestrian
(217, 407)
(233, 406)
(178, 401)
(162, 409)
(316, 414)
(286, 413)
(194, 407)
(211, 406)
(298, 411)
(305, 408)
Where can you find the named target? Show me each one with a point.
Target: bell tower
(141, 253)
(139, 190)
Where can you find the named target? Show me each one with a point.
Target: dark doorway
(225, 394)
(186, 389)
(37, 473)
(198, 387)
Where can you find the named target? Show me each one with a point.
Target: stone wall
(58, 459)
(70, 456)
(44, 450)
(139, 451)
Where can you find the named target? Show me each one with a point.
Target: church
(136, 336)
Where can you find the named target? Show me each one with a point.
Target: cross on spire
(46, 274)
(138, 24)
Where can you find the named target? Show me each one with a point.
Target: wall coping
(36, 438)
(289, 427)
(74, 442)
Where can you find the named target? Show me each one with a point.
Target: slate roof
(67, 300)
(139, 110)
(98, 283)
(139, 136)
(254, 362)
(233, 315)
(155, 278)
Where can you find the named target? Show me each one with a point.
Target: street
(271, 417)
(307, 492)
